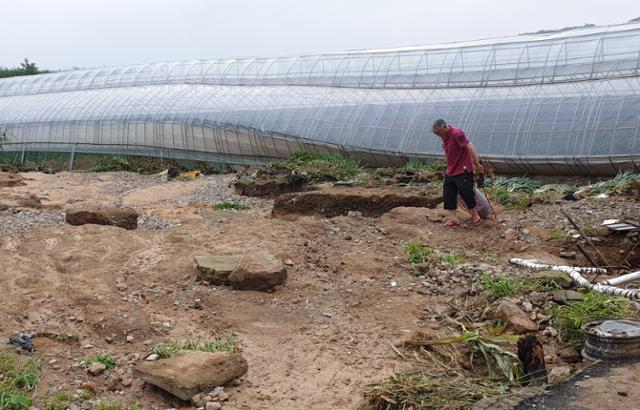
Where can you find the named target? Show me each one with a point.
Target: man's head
(440, 128)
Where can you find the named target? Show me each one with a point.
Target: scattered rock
(559, 374)
(191, 372)
(548, 276)
(517, 320)
(213, 405)
(152, 357)
(29, 201)
(129, 339)
(217, 268)
(96, 369)
(126, 218)
(258, 271)
(563, 296)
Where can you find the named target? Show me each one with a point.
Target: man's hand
(477, 168)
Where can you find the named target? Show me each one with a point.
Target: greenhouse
(559, 102)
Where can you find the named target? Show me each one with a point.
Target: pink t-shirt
(458, 158)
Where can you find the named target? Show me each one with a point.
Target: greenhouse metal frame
(561, 102)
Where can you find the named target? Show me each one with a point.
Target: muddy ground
(311, 344)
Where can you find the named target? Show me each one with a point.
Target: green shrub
(517, 184)
(111, 164)
(424, 165)
(417, 252)
(17, 382)
(617, 185)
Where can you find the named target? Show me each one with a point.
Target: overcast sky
(87, 33)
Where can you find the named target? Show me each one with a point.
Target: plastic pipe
(622, 279)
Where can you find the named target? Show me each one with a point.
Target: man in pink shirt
(462, 162)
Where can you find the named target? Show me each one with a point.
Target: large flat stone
(217, 268)
(258, 271)
(126, 218)
(515, 318)
(191, 372)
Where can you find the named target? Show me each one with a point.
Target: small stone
(130, 339)
(96, 369)
(53, 361)
(108, 339)
(147, 342)
(197, 304)
(213, 405)
(564, 296)
(570, 355)
(548, 276)
(517, 320)
(567, 255)
(223, 396)
(126, 382)
(216, 391)
(288, 262)
(152, 357)
(510, 234)
(87, 346)
(559, 374)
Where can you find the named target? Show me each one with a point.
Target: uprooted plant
(452, 373)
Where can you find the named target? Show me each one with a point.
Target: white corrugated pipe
(574, 273)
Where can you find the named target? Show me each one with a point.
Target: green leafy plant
(508, 286)
(617, 185)
(105, 358)
(219, 343)
(417, 252)
(450, 258)
(423, 165)
(517, 184)
(59, 401)
(510, 199)
(221, 206)
(17, 382)
(105, 405)
(569, 319)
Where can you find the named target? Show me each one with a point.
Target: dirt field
(311, 344)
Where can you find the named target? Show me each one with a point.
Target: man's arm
(474, 156)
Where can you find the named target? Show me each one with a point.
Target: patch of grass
(507, 286)
(219, 343)
(135, 406)
(106, 405)
(111, 164)
(59, 401)
(517, 184)
(510, 199)
(417, 252)
(221, 206)
(558, 234)
(617, 185)
(569, 318)
(450, 258)
(17, 382)
(105, 358)
(318, 166)
(424, 165)
(588, 229)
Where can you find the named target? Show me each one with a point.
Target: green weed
(417, 252)
(450, 258)
(568, 319)
(219, 343)
(558, 234)
(517, 184)
(508, 286)
(423, 165)
(617, 185)
(60, 401)
(111, 164)
(105, 358)
(318, 166)
(105, 405)
(17, 382)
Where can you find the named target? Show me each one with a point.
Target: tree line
(26, 68)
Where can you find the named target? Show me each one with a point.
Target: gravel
(17, 221)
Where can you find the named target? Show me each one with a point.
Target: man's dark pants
(458, 184)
